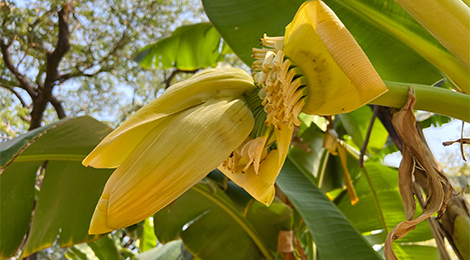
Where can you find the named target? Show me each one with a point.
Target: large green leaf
(407, 251)
(366, 214)
(241, 23)
(68, 192)
(394, 42)
(189, 47)
(16, 203)
(12, 148)
(334, 236)
(208, 221)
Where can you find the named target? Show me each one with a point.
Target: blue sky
(435, 136)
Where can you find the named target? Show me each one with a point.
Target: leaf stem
(433, 99)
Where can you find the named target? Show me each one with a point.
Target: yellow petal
(340, 76)
(173, 157)
(283, 140)
(205, 85)
(260, 187)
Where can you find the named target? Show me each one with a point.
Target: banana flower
(221, 118)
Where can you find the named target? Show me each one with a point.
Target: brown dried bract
(416, 158)
(285, 244)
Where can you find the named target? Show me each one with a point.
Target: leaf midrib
(50, 157)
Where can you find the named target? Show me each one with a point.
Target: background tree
(75, 54)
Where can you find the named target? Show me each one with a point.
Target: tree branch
(167, 81)
(64, 77)
(53, 60)
(57, 104)
(12, 90)
(12, 68)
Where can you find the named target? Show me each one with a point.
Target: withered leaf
(415, 156)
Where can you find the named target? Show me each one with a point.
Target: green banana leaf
(212, 226)
(66, 193)
(189, 47)
(398, 47)
(17, 202)
(416, 252)
(366, 216)
(13, 147)
(334, 236)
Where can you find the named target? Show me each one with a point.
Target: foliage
(217, 219)
(91, 61)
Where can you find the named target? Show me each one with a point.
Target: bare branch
(167, 81)
(21, 78)
(39, 47)
(67, 76)
(58, 107)
(12, 90)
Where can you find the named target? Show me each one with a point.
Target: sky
(435, 136)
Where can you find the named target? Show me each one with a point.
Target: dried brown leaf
(405, 183)
(416, 152)
(285, 241)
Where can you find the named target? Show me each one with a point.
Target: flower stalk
(433, 99)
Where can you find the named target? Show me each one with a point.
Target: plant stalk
(433, 99)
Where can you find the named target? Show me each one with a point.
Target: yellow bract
(205, 85)
(340, 77)
(259, 186)
(255, 169)
(169, 145)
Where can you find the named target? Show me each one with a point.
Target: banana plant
(286, 141)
